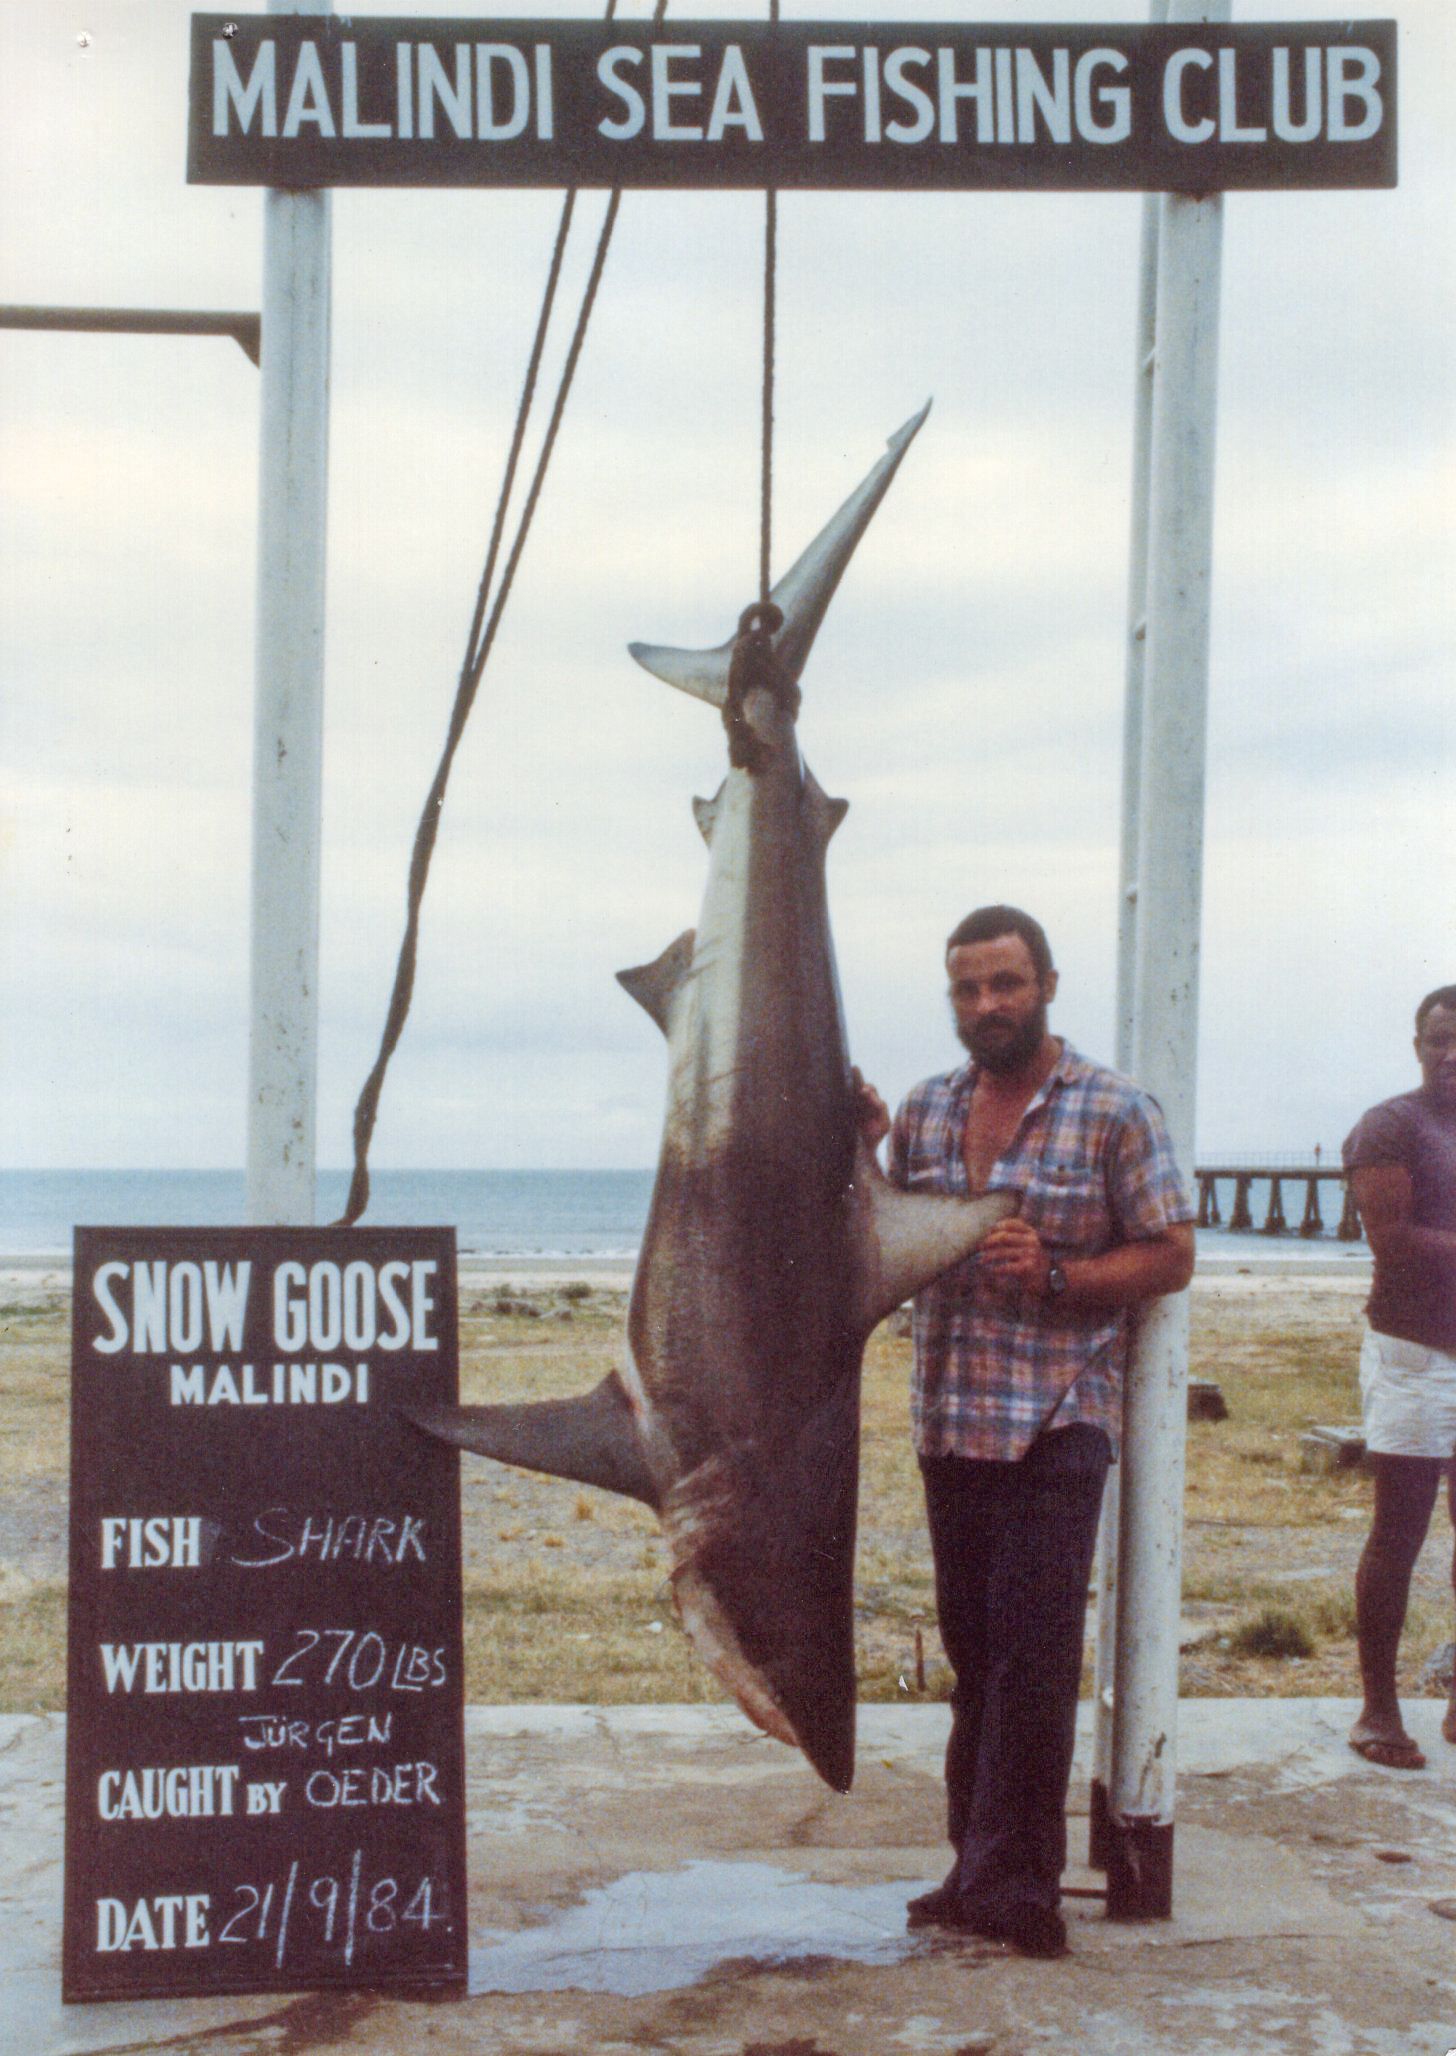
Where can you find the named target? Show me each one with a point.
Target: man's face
(1436, 1051)
(1000, 1004)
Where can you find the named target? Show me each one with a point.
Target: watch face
(1056, 1280)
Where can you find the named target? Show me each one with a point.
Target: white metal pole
(288, 699)
(1165, 1037)
(1132, 743)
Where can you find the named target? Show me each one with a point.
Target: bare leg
(1405, 1492)
(1448, 1725)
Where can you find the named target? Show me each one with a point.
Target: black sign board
(304, 100)
(265, 1764)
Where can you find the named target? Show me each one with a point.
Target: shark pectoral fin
(907, 1238)
(703, 673)
(653, 985)
(592, 1438)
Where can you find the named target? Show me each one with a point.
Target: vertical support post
(1104, 1661)
(288, 699)
(1165, 1038)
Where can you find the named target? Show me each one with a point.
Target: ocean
(523, 1214)
(495, 1213)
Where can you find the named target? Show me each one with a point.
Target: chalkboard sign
(265, 1758)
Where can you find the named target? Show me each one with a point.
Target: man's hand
(1013, 1262)
(871, 1112)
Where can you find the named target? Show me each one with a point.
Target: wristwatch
(1056, 1283)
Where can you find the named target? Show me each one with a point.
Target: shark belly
(743, 1346)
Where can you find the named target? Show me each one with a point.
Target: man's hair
(986, 924)
(1443, 996)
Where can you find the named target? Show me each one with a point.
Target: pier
(1276, 1173)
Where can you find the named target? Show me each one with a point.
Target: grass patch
(564, 1583)
(1274, 1631)
(35, 1366)
(551, 1635)
(33, 1638)
(1331, 1615)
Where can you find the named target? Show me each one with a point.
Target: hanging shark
(774, 1244)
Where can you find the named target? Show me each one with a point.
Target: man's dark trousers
(1013, 1546)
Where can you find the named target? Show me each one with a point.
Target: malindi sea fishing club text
(322, 101)
(157, 1309)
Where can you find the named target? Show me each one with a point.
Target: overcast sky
(964, 695)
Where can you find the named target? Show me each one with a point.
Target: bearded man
(1017, 1398)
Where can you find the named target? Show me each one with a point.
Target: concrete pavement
(661, 1878)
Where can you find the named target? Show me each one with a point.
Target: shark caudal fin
(904, 1239)
(591, 1439)
(802, 594)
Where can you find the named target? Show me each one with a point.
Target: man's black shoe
(1030, 1930)
(940, 1908)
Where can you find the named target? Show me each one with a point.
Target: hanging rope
(753, 666)
(479, 643)
(770, 290)
(765, 491)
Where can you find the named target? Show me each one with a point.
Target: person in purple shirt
(1401, 1157)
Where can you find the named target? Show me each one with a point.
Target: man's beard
(1001, 1050)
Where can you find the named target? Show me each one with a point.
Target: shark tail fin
(907, 1238)
(591, 1439)
(802, 594)
(703, 673)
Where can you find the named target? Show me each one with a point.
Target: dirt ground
(567, 1590)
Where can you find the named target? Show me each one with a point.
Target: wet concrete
(655, 1931)
(659, 1878)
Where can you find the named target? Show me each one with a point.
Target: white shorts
(1408, 1393)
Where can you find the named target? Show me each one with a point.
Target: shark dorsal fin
(591, 1438)
(653, 985)
(904, 1239)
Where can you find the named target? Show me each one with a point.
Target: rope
(479, 644)
(754, 667)
(470, 673)
(770, 284)
(765, 491)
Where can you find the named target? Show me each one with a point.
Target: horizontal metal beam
(244, 329)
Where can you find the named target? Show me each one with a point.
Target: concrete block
(1331, 1448)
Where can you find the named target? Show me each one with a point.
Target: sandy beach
(1287, 1271)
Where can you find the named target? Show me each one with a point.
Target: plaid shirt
(1093, 1167)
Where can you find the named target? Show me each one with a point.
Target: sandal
(1391, 1752)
